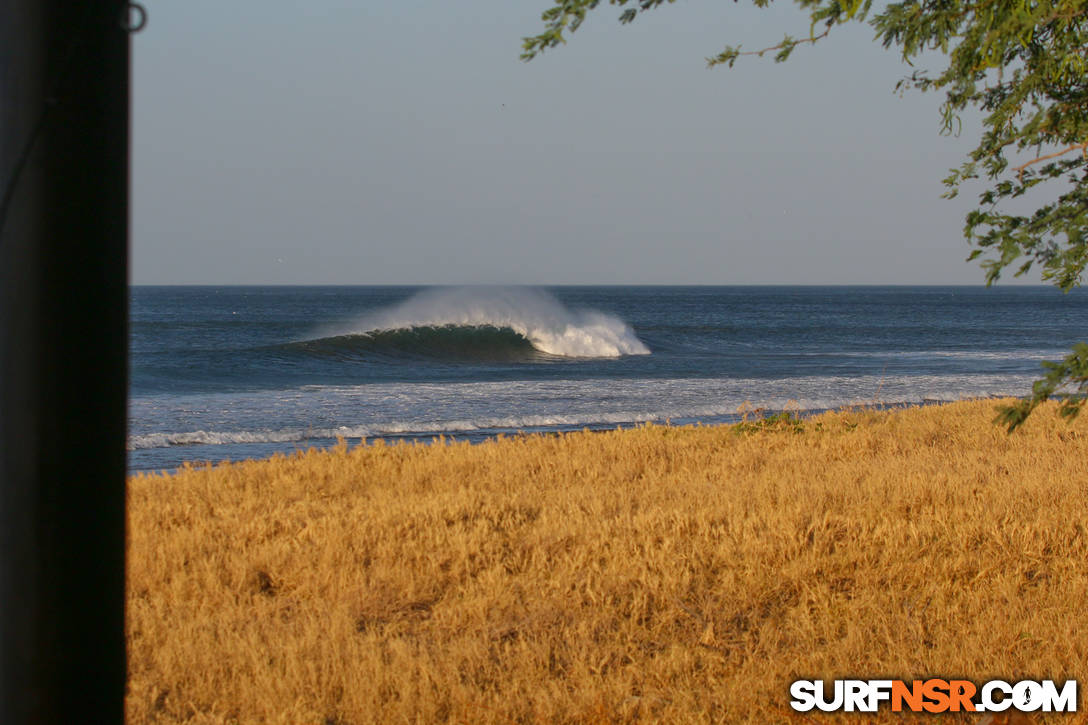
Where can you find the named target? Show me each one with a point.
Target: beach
(654, 574)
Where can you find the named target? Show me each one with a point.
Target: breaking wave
(484, 322)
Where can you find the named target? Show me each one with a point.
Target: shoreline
(476, 437)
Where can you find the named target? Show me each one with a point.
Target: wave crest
(533, 314)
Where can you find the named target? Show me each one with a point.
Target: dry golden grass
(659, 574)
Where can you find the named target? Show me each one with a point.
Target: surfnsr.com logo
(933, 695)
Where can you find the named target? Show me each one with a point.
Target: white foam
(532, 313)
(323, 413)
(221, 438)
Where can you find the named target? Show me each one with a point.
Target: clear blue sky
(403, 141)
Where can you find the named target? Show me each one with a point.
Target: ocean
(228, 373)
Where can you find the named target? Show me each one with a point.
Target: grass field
(653, 575)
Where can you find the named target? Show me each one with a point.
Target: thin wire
(28, 147)
(51, 102)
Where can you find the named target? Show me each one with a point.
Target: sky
(405, 142)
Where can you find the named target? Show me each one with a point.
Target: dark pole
(64, 115)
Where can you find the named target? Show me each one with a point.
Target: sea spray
(534, 314)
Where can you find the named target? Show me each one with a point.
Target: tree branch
(780, 46)
(1082, 147)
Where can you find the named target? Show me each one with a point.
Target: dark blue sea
(241, 372)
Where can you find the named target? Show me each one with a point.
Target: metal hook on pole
(130, 24)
